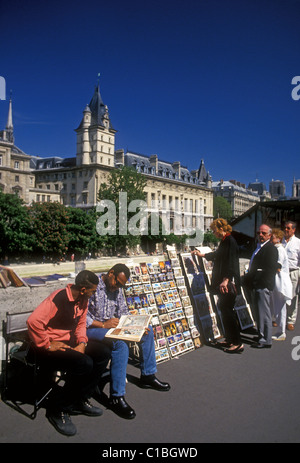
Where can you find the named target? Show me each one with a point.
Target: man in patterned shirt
(106, 306)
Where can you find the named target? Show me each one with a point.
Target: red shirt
(58, 318)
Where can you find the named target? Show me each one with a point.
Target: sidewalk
(215, 397)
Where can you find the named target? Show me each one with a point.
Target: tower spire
(9, 125)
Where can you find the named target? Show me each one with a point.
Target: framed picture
(243, 312)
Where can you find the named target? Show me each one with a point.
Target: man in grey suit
(261, 280)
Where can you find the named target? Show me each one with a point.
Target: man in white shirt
(292, 247)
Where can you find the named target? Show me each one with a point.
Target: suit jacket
(263, 269)
(226, 263)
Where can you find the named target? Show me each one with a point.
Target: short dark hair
(294, 225)
(86, 279)
(120, 268)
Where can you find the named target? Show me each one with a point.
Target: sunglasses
(262, 233)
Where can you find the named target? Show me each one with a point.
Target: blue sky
(184, 79)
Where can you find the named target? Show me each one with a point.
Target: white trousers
(292, 307)
(278, 308)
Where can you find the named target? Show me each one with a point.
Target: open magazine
(130, 328)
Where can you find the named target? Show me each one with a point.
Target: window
(17, 178)
(0, 160)
(17, 165)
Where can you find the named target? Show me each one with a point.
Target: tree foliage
(83, 236)
(222, 208)
(124, 180)
(15, 236)
(49, 226)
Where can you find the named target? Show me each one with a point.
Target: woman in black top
(226, 282)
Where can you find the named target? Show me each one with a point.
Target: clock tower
(95, 134)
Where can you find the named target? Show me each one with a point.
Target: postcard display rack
(159, 289)
(206, 303)
(198, 272)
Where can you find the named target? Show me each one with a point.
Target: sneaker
(279, 337)
(85, 408)
(62, 422)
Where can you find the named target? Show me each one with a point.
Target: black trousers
(230, 322)
(83, 373)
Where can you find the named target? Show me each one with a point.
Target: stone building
(75, 181)
(239, 197)
(296, 189)
(277, 189)
(16, 167)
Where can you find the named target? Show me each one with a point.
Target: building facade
(239, 198)
(16, 167)
(75, 181)
(296, 189)
(277, 189)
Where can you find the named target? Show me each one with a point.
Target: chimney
(176, 166)
(154, 162)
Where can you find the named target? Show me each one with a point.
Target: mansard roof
(54, 162)
(227, 184)
(165, 169)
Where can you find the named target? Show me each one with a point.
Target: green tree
(210, 239)
(124, 180)
(83, 236)
(15, 237)
(222, 208)
(49, 227)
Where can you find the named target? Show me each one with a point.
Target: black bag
(231, 289)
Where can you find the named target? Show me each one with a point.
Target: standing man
(106, 306)
(292, 247)
(57, 328)
(261, 280)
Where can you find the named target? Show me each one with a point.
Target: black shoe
(62, 422)
(261, 345)
(85, 408)
(121, 408)
(151, 382)
(237, 350)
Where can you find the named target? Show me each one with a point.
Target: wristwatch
(85, 343)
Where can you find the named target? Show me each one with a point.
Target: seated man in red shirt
(57, 328)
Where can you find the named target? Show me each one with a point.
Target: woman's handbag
(231, 289)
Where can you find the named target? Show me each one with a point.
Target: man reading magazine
(105, 309)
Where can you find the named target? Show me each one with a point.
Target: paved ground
(215, 397)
